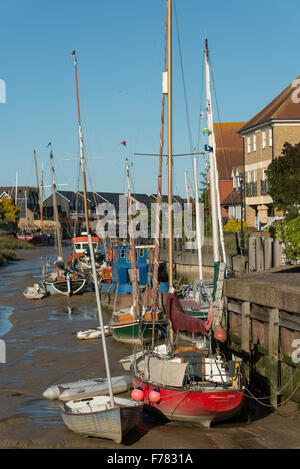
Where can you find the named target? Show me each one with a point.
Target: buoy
(137, 394)
(220, 334)
(154, 395)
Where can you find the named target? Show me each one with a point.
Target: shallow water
(5, 324)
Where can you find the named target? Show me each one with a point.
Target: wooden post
(273, 354)
(252, 253)
(260, 254)
(277, 253)
(268, 253)
(245, 342)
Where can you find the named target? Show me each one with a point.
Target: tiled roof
(234, 198)
(229, 147)
(281, 107)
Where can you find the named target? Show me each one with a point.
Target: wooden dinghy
(88, 387)
(96, 416)
(34, 293)
(93, 333)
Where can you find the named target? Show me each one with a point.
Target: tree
(283, 176)
(9, 212)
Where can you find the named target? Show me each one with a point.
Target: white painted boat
(97, 416)
(34, 293)
(93, 333)
(88, 387)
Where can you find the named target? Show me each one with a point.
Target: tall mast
(16, 189)
(159, 189)
(212, 159)
(38, 186)
(214, 179)
(169, 16)
(187, 187)
(41, 196)
(198, 228)
(55, 208)
(82, 160)
(135, 284)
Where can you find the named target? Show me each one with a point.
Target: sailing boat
(188, 385)
(101, 416)
(136, 324)
(62, 280)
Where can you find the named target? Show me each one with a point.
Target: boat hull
(197, 407)
(65, 287)
(112, 423)
(130, 333)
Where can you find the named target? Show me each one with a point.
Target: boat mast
(212, 159)
(212, 143)
(82, 159)
(41, 196)
(38, 187)
(136, 298)
(111, 395)
(187, 187)
(55, 208)
(159, 188)
(198, 228)
(170, 162)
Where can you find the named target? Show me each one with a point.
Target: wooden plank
(252, 253)
(245, 344)
(273, 354)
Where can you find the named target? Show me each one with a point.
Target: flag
(73, 53)
(208, 148)
(123, 143)
(206, 131)
(49, 144)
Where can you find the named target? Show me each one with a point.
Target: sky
(254, 51)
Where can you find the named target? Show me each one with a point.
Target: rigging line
(154, 48)
(183, 81)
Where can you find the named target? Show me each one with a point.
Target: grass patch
(8, 244)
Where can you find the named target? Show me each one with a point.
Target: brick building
(263, 139)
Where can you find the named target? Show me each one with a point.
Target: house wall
(259, 159)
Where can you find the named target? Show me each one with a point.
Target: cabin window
(84, 245)
(78, 246)
(141, 252)
(122, 253)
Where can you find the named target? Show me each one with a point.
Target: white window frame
(254, 142)
(249, 176)
(263, 139)
(248, 145)
(254, 172)
(270, 137)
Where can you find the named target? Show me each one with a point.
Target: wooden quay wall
(262, 317)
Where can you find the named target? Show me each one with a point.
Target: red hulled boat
(190, 384)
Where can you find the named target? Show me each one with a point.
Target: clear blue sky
(254, 49)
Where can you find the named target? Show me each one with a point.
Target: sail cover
(180, 320)
(164, 372)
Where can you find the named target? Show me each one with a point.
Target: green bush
(289, 233)
(234, 225)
